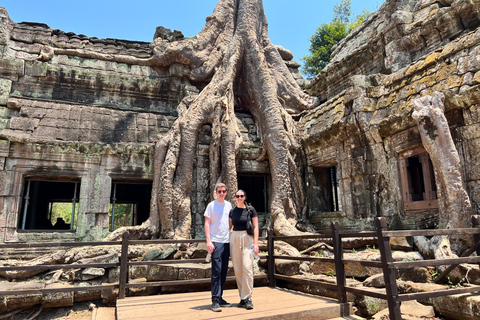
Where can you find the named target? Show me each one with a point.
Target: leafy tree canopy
(329, 34)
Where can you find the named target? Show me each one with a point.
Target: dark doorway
(129, 203)
(49, 205)
(256, 187)
(325, 197)
(417, 179)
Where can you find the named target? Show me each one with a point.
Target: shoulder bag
(250, 228)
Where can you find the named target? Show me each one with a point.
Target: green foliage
(343, 11)
(331, 273)
(123, 215)
(408, 259)
(373, 307)
(63, 210)
(328, 35)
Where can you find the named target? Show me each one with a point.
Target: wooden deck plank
(268, 303)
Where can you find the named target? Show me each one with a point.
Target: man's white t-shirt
(219, 225)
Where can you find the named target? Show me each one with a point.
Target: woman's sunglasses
(239, 196)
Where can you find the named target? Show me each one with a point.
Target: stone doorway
(129, 203)
(49, 205)
(257, 188)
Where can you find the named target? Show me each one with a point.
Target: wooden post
(388, 273)
(476, 236)
(339, 266)
(123, 267)
(271, 260)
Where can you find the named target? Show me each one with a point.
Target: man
(218, 243)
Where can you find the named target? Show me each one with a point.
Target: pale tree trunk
(234, 51)
(234, 55)
(455, 208)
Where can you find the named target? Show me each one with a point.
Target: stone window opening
(256, 185)
(326, 197)
(129, 203)
(417, 179)
(49, 205)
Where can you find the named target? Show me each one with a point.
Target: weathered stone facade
(85, 116)
(405, 50)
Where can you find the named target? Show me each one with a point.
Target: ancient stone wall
(367, 129)
(393, 37)
(79, 116)
(87, 110)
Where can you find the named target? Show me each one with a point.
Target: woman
(241, 244)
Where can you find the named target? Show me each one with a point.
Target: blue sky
(291, 23)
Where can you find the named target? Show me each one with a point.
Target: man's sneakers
(225, 304)
(217, 306)
(246, 303)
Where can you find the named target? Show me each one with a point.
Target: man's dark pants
(220, 257)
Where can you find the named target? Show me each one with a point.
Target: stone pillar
(93, 221)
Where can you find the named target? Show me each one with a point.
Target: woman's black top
(239, 217)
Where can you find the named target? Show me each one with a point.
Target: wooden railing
(387, 264)
(58, 266)
(123, 284)
(125, 265)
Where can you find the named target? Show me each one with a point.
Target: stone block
(419, 274)
(162, 272)
(36, 68)
(113, 275)
(87, 295)
(109, 295)
(190, 271)
(5, 88)
(287, 267)
(22, 300)
(401, 243)
(57, 299)
(138, 272)
(410, 309)
(375, 281)
(92, 273)
(4, 123)
(4, 182)
(3, 304)
(142, 291)
(11, 67)
(24, 124)
(369, 306)
(200, 251)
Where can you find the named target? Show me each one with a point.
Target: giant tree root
(244, 71)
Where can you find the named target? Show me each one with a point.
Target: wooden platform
(269, 303)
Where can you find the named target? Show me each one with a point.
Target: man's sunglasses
(222, 191)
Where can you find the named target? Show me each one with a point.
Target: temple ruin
(81, 118)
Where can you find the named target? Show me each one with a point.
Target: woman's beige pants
(241, 244)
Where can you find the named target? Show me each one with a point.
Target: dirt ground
(79, 311)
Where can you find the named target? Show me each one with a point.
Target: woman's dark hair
(247, 205)
(244, 193)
